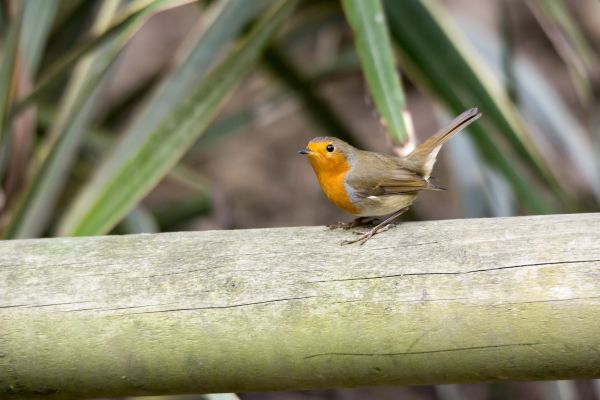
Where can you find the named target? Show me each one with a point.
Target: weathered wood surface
(430, 302)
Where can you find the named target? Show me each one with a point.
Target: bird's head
(329, 154)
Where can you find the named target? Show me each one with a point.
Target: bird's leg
(378, 228)
(353, 224)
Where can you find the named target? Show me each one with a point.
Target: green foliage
(64, 171)
(56, 87)
(447, 66)
(7, 76)
(373, 45)
(134, 174)
(65, 134)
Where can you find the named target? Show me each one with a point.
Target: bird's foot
(387, 227)
(364, 236)
(360, 221)
(362, 239)
(381, 227)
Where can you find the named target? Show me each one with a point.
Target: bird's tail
(423, 157)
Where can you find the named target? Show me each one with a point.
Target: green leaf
(225, 126)
(556, 127)
(7, 75)
(367, 19)
(37, 21)
(35, 208)
(137, 12)
(232, 17)
(439, 58)
(570, 43)
(66, 11)
(98, 208)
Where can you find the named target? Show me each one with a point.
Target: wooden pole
(227, 311)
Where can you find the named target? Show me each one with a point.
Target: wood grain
(228, 311)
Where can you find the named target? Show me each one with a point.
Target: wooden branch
(430, 302)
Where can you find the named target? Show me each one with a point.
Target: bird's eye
(330, 148)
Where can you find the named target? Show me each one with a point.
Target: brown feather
(400, 179)
(423, 157)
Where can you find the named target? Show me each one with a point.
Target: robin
(368, 184)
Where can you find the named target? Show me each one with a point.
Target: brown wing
(385, 175)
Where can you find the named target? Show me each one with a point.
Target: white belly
(377, 206)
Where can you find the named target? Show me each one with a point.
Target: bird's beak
(304, 151)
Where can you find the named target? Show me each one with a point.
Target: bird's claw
(364, 236)
(387, 227)
(361, 240)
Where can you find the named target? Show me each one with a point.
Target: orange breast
(332, 183)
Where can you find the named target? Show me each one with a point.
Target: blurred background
(163, 115)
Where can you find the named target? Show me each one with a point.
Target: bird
(371, 185)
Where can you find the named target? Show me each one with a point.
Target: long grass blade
(373, 44)
(137, 11)
(35, 208)
(98, 209)
(169, 214)
(440, 59)
(8, 66)
(224, 127)
(37, 21)
(570, 43)
(231, 18)
(555, 126)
